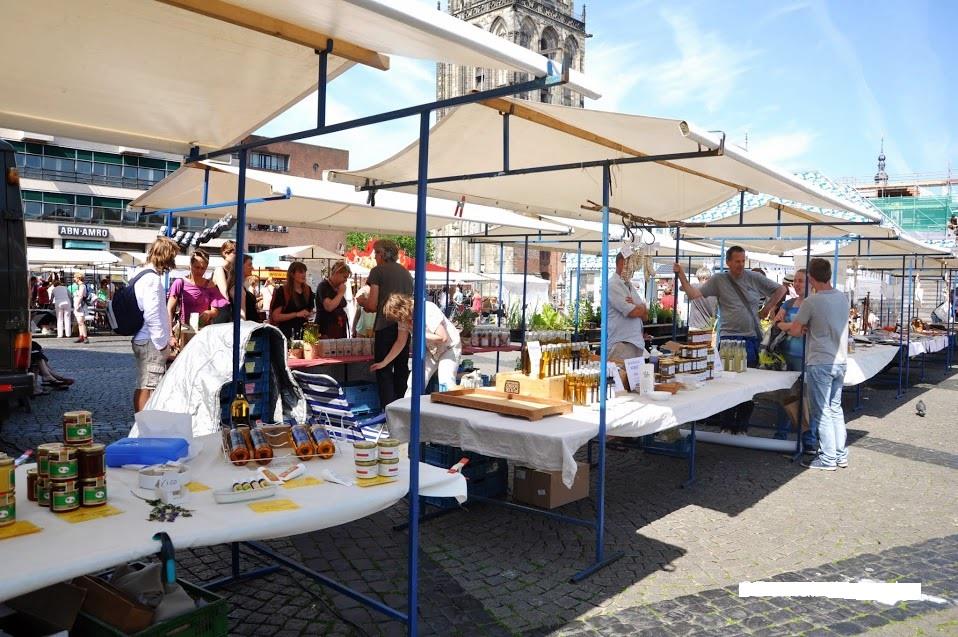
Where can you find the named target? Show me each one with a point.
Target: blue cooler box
(146, 451)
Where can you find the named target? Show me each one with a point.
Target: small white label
(535, 356)
(541, 492)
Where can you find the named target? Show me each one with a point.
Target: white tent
(873, 254)
(79, 258)
(784, 239)
(186, 92)
(282, 257)
(537, 291)
(316, 203)
(543, 134)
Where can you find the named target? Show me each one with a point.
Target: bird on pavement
(920, 408)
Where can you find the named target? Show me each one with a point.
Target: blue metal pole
(675, 289)
(741, 207)
(501, 311)
(907, 323)
(835, 266)
(419, 356)
(603, 376)
(206, 185)
(238, 262)
(505, 142)
(578, 287)
(525, 283)
(321, 85)
(902, 354)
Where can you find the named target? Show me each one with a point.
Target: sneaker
(818, 464)
(842, 463)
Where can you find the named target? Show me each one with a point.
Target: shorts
(150, 364)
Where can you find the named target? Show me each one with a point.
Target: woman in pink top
(194, 293)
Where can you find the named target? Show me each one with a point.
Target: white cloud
(784, 149)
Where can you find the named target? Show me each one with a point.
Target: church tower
(549, 27)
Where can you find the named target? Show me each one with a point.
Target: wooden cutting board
(529, 407)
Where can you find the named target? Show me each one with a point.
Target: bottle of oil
(526, 362)
(239, 408)
(544, 360)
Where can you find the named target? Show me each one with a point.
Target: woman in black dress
(293, 303)
(331, 302)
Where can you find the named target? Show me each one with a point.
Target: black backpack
(123, 312)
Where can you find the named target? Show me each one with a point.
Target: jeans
(391, 379)
(824, 389)
(792, 364)
(739, 415)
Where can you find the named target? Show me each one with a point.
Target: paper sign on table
(612, 370)
(196, 487)
(535, 356)
(85, 514)
(633, 371)
(372, 482)
(20, 527)
(269, 506)
(298, 483)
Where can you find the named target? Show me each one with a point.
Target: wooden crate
(528, 407)
(551, 387)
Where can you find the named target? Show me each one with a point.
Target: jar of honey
(7, 474)
(43, 456)
(8, 508)
(91, 461)
(93, 492)
(63, 464)
(388, 449)
(78, 428)
(43, 491)
(32, 485)
(64, 496)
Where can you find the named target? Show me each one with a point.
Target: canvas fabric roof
(544, 134)
(76, 74)
(317, 203)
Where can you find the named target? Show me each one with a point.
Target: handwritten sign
(633, 371)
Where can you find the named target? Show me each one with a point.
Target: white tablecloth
(63, 550)
(550, 444)
(866, 361)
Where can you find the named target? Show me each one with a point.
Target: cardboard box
(518, 383)
(544, 489)
(108, 604)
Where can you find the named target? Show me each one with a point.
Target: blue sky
(813, 84)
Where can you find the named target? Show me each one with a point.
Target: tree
(408, 244)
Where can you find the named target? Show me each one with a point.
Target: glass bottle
(239, 408)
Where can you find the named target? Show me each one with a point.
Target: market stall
(121, 530)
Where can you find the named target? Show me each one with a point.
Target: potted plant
(296, 349)
(465, 321)
(311, 338)
(516, 333)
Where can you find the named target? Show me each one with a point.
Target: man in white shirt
(627, 310)
(152, 344)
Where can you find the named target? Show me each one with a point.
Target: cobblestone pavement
(892, 516)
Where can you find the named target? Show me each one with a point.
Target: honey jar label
(94, 495)
(78, 432)
(8, 513)
(65, 501)
(61, 470)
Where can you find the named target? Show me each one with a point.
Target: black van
(16, 381)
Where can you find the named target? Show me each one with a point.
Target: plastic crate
(486, 476)
(208, 620)
(679, 448)
(362, 396)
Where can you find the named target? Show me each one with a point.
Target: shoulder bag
(755, 324)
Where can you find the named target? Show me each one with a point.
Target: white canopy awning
(78, 258)
(875, 254)
(315, 203)
(136, 259)
(280, 257)
(781, 239)
(543, 134)
(210, 71)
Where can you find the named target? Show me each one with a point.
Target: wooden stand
(527, 407)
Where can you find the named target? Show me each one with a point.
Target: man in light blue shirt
(627, 310)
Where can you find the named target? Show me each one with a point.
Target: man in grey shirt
(739, 292)
(823, 318)
(627, 310)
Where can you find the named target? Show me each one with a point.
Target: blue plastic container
(146, 451)
(362, 396)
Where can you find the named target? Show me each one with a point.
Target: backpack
(123, 312)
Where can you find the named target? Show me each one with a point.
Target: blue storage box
(486, 476)
(363, 397)
(146, 451)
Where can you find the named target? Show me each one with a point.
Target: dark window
(269, 161)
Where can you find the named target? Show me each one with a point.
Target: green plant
(296, 345)
(587, 314)
(465, 321)
(311, 334)
(515, 315)
(359, 240)
(549, 318)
